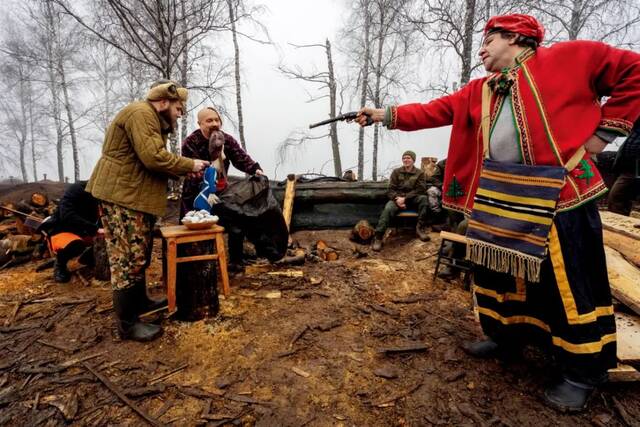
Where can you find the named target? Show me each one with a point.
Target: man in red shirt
(544, 107)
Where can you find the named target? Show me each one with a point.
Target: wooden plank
(624, 279)
(197, 258)
(629, 247)
(453, 237)
(623, 373)
(628, 330)
(621, 224)
(181, 230)
(289, 195)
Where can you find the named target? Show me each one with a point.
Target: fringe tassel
(504, 260)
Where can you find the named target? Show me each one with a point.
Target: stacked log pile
(622, 247)
(19, 241)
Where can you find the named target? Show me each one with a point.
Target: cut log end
(39, 200)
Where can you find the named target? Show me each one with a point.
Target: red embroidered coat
(556, 104)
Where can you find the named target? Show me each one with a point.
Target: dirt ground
(306, 356)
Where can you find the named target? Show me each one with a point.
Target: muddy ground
(306, 356)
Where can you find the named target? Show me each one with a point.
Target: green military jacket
(135, 165)
(406, 184)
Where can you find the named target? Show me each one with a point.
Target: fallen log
(329, 254)
(362, 232)
(623, 279)
(39, 200)
(629, 247)
(624, 225)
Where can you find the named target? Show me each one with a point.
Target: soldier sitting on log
(407, 190)
(71, 228)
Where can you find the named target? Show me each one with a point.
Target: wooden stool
(177, 234)
(451, 261)
(403, 218)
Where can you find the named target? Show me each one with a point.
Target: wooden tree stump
(196, 284)
(362, 232)
(39, 200)
(101, 270)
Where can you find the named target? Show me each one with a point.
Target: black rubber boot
(144, 304)
(569, 396)
(488, 348)
(61, 273)
(129, 327)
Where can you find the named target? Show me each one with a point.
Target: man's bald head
(209, 120)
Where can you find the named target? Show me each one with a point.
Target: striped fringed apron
(513, 210)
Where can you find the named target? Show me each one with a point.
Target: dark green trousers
(419, 203)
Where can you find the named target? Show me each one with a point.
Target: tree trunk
(55, 105)
(236, 52)
(467, 42)
(196, 286)
(376, 94)
(72, 128)
(365, 82)
(184, 81)
(576, 23)
(333, 128)
(31, 133)
(23, 128)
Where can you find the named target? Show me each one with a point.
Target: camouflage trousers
(129, 238)
(435, 199)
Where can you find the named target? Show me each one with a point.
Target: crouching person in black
(71, 229)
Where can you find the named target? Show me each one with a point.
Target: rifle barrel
(346, 116)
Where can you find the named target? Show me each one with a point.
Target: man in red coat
(545, 105)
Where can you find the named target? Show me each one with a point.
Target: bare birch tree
(154, 33)
(325, 80)
(391, 69)
(612, 21)
(16, 113)
(364, 78)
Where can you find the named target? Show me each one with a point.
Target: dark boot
(236, 248)
(377, 242)
(422, 231)
(61, 273)
(569, 396)
(488, 348)
(144, 304)
(126, 312)
(87, 257)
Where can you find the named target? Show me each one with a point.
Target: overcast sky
(275, 106)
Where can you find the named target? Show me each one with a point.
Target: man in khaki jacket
(130, 182)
